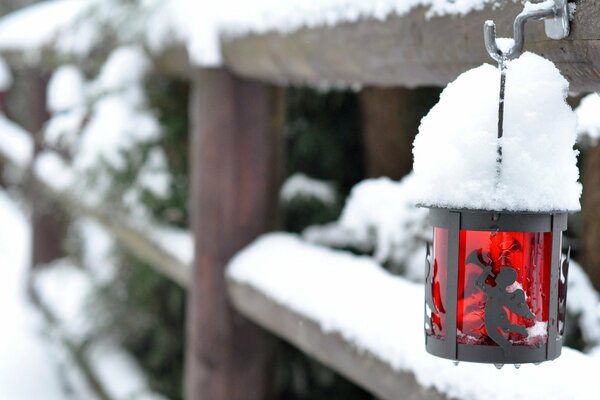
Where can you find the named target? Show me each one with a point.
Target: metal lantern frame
(455, 221)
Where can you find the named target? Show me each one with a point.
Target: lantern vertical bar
(452, 283)
(551, 347)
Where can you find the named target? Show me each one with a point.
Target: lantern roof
(456, 150)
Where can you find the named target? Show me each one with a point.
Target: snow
(179, 243)
(125, 67)
(36, 26)
(66, 89)
(379, 214)
(584, 303)
(24, 355)
(16, 144)
(6, 78)
(588, 117)
(302, 186)
(67, 290)
(341, 292)
(154, 175)
(119, 119)
(77, 26)
(455, 150)
(51, 169)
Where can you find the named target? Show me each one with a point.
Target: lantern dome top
(456, 150)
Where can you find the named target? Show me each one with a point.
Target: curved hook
(548, 8)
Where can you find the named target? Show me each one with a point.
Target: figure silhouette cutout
(498, 299)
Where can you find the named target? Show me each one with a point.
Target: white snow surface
(455, 150)
(383, 314)
(583, 302)
(27, 370)
(6, 78)
(16, 144)
(302, 186)
(380, 214)
(77, 26)
(588, 117)
(36, 26)
(66, 89)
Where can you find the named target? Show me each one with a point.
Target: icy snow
(456, 149)
(588, 117)
(383, 314)
(302, 186)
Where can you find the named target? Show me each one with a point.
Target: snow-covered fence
(235, 113)
(404, 43)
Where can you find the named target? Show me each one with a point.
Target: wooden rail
(359, 366)
(411, 50)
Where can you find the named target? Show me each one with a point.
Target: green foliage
(323, 141)
(169, 100)
(141, 308)
(146, 312)
(323, 136)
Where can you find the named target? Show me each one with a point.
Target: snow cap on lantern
(455, 151)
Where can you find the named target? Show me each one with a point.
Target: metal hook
(556, 16)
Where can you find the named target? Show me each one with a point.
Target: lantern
(495, 287)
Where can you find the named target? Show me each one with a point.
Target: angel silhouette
(498, 298)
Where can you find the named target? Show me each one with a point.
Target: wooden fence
(236, 114)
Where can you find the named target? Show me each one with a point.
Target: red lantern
(496, 287)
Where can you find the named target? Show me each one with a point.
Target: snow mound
(456, 149)
(302, 186)
(66, 89)
(379, 216)
(588, 117)
(383, 315)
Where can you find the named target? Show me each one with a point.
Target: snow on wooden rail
(413, 49)
(353, 316)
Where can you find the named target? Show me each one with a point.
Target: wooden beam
(234, 193)
(358, 365)
(411, 50)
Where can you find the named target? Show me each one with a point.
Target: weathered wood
(411, 50)
(358, 365)
(591, 215)
(234, 192)
(390, 120)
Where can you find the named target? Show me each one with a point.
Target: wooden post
(235, 171)
(390, 119)
(591, 214)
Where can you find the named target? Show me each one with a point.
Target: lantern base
(491, 354)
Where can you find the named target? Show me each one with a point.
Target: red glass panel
(439, 276)
(528, 254)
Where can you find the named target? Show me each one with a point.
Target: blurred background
(97, 160)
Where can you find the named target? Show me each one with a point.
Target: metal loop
(537, 11)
